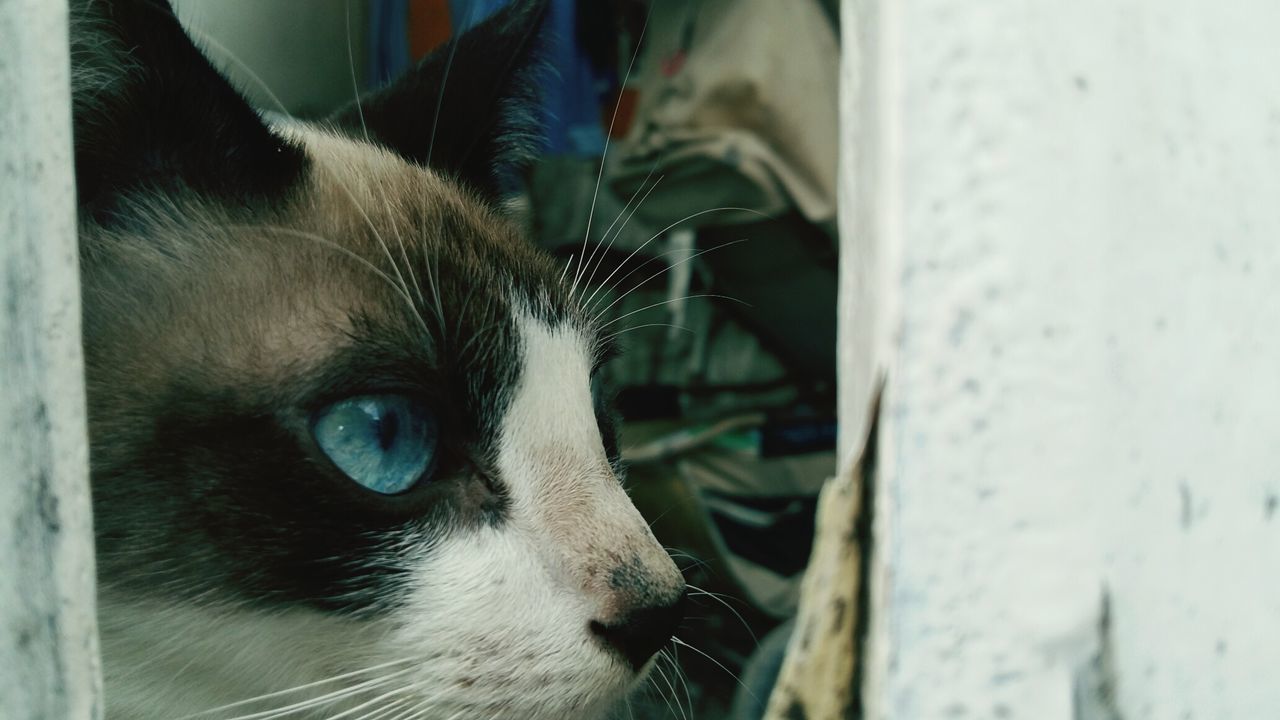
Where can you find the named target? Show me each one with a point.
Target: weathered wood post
(48, 632)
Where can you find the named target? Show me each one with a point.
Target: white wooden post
(48, 632)
(1072, 214)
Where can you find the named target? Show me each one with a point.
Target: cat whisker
(718, 597)
(367, 703)
(662, 514)
(624, 331)
(319, 701)
(675, 553)
(595, 196)
(418, 708)
(602, 247)
(666, 269)
(614, 239)
(664, 230)
(565, 272)
(408, 266)
(309, 705)
(643, 692)
(395, 708)
(416, 711)
(444, 82)
(299, 688)
(663, 657)
(681, 679)
(355, 88)
(345, 251)
(624, 316)
(383, 244)
(395, 711)
(351, 64)
(720, 665)
(670, 706)
(433, 276)
(677, 683)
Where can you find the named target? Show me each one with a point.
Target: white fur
(173, 660)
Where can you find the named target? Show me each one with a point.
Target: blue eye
(384, 442)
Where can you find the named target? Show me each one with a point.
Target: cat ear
(469, 108)
(152, 114)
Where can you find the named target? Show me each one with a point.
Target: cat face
(346, 451)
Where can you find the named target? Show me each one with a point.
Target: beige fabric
(747, 120)
(817, 677)
(819, 672)
(741, 474)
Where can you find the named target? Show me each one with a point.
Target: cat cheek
(482, 500)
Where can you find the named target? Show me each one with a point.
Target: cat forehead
(450, 261)
(375, 265)
(352, 181)
(351, 158)
(383, 205)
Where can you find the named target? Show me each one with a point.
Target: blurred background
(688, 181)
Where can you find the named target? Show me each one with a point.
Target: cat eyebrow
(373, 366)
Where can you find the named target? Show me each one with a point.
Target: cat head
(347, 449)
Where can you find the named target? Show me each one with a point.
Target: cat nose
(642, 632)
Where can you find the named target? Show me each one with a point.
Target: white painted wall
(1073, 213)
(48, 632)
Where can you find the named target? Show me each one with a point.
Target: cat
(349, 456)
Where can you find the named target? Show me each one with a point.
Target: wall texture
(48, 632)
(1076, 208)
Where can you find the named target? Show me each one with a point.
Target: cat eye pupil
(385, 443)
(387, 426)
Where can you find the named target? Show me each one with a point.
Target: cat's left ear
(469, 108)
(153, 115)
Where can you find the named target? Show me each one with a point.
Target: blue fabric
(388, 46)
(571, 94)
(466, 14)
